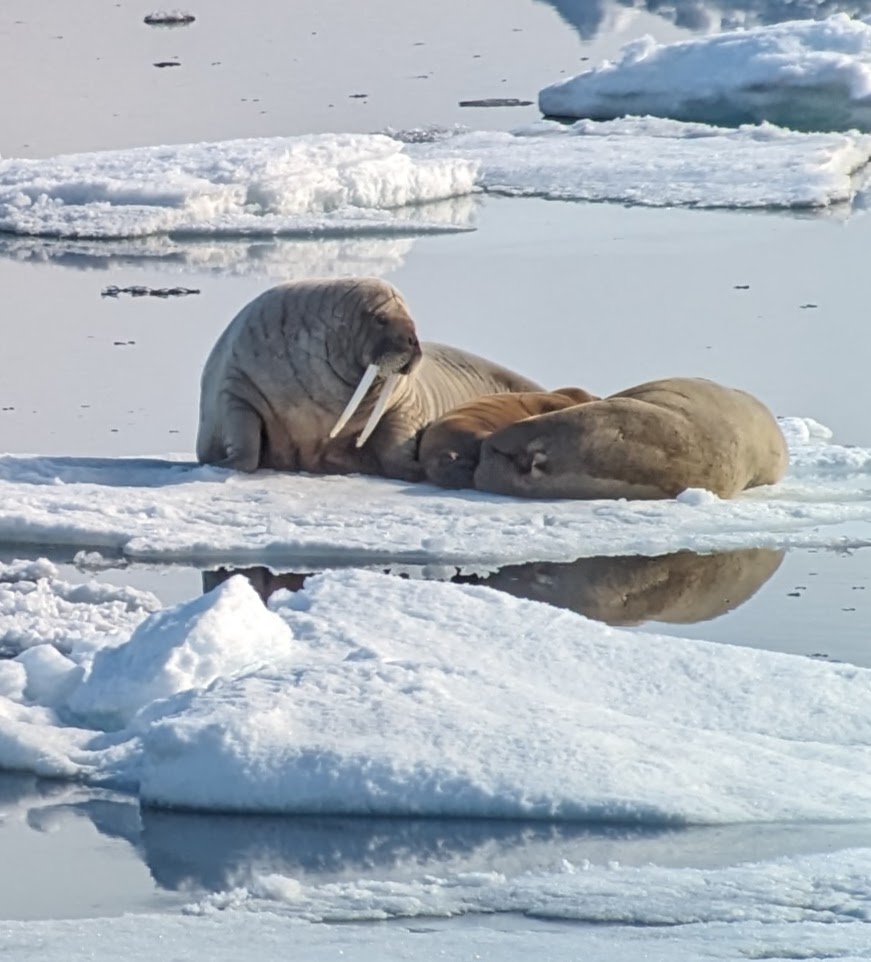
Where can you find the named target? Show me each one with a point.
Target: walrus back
(650, 441)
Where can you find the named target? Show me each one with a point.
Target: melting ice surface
(329, 184)
(802, 74)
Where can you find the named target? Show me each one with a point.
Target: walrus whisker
(378, 410)
(369, 376)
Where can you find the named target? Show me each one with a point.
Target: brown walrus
(650, 441)
(328, 376)
(450, 447)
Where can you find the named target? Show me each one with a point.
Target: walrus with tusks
(328, 376)
(654, 440)
(450, 447)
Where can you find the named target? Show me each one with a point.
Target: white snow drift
(327, 185)
(368, 694)
(803, 74)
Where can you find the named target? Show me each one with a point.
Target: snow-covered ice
(657, 162)
(228, 936)
(316, 184)
(163, 510)
(803, 74)
(328, 185)
(368, 694)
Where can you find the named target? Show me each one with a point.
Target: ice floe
(809, 889)
(803, 74)
(163, 510)
(364, 693)
(659, 162)
(592, 17)
(316, 184)
(228, 936)
(409, 183)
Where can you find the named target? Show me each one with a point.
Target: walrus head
(534, 457)
(384, 341)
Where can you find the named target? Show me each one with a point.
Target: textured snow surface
(329, 185)
(162, 510)
(364, 693)
(803, 74)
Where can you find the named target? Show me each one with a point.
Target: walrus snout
(397, 352)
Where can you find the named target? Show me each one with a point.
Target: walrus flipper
(242, 439)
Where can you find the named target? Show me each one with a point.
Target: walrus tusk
(378, 410)
(369, 376)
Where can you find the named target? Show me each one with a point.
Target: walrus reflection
(263, 580)
(679, 588)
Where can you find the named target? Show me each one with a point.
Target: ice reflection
(333, 253)
(192, 853)
(593, 17)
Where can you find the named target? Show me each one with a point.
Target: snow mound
(364, 694)
(803, 74)
(315, 184)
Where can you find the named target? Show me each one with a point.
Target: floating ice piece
(364, 693)
(156, 510)
(803, 74)
(657, 162)
(318, 184)
(332, 185)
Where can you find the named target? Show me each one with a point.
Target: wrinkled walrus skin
(450, 447)
(284, 369)
(650, 441)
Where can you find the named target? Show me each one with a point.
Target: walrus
(654, 440)
(328, 376)
(450, 447)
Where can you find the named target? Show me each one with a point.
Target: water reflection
(193, 854)
(331, 252)
(679, 588)
(267, 258)
(215, 852)
(592, 17)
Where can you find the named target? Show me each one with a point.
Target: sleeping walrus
(450, 447)
(328, 376)
(650, 441)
